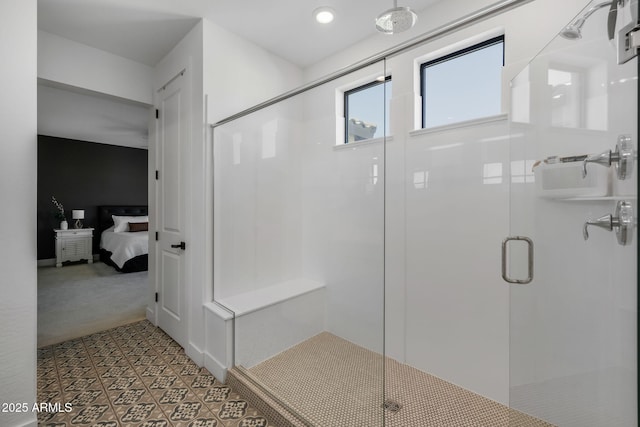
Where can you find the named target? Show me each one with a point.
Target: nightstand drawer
(81, 232)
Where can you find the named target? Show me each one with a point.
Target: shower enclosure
(363, 278)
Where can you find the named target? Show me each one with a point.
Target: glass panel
(446, 314)
(573, 331)
(299, 255)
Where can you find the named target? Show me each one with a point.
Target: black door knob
(182, 246)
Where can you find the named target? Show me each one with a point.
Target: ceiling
(64, 112)
(146, 30)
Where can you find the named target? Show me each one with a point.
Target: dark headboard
(104, 214)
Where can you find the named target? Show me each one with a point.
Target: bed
(125, 250)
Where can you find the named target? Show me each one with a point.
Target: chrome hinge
(628, 42)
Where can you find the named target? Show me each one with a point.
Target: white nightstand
(74, 245)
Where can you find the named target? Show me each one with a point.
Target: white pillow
(121, 223)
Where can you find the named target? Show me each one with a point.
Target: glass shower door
(573, 303)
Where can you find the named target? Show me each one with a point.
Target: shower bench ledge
(258, 299)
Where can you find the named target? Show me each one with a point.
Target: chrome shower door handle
(505, 275)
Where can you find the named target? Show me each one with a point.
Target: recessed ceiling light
(324, 14)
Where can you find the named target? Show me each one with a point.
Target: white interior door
(573, 326)
(173, 139)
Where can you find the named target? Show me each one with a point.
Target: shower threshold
(327, 381)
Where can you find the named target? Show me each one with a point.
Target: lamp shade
(77, 214)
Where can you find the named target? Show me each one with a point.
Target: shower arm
(602, 5)
(580, 21)
(573, 30)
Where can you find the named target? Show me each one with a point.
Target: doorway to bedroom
(92, 153)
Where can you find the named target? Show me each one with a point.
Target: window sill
(458, 125)
(355, 144)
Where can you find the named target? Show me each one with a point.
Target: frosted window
(366, 111)
(464, 85)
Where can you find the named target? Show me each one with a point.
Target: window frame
(473, 48)
(345, 104)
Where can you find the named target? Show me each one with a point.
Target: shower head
(396, 19)
(573, 31)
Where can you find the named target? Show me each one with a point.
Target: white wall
(258, 193)
(88, 94)
(18, 32)
(239, 74)
(74, 64)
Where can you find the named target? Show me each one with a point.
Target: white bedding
(124, 245)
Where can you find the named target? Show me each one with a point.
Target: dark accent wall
(85, 175)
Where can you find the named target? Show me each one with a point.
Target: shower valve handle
(623, 157)
(622, 220)
(605, 158)
(605, 221)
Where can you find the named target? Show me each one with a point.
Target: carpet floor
(77, 300)
(135, 376)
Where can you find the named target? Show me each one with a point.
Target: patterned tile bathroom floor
(134, 375)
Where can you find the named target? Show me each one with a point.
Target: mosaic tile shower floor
(135, 375)
(333, 382)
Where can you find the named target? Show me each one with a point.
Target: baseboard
(216, 368)
(151, 316)
(195, 354)
(49, 262)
